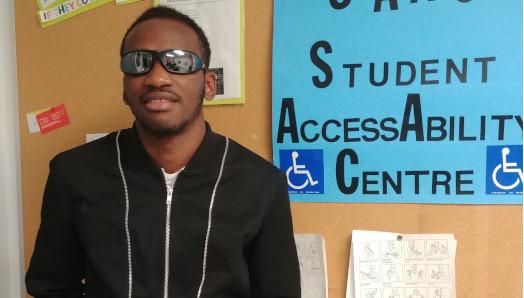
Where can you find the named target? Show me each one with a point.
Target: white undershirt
(170, 178)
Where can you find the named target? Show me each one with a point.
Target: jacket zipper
(169, 199)
(168, 229)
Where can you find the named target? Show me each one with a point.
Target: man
(166, 208)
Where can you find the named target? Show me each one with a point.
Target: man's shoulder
(100, 149)
(244, 159)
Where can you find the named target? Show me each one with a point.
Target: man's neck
(174, 152)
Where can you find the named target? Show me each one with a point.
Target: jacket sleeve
(273, 263)
(57, 265)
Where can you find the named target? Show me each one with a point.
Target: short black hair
(163, 12)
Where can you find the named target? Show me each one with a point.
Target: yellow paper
(46, 4)
(67, 9)
(122, 2)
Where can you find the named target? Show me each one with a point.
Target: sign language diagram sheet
(394, 265)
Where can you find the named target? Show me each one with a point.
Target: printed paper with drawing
(394, 265)
(313, 271)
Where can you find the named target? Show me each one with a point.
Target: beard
(159, 131)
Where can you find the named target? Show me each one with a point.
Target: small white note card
(396, 265)
(95, 136)
(311, 250)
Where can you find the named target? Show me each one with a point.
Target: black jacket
(83, 245)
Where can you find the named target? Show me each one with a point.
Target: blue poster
(399, 101)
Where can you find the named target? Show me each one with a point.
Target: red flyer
(52, 119)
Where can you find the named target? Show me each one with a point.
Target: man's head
(166, 103)
(161, 12)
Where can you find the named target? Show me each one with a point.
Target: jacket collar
(206, 157)
(208, 154)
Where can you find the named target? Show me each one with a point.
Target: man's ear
(210, 85)
(124, 97)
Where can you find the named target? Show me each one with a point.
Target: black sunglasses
(174, 61)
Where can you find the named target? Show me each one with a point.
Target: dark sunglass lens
(138, 62)
(178, 61)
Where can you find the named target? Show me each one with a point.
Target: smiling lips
(159, 101)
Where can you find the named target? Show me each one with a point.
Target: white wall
(11, 246)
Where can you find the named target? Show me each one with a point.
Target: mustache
(158, 94)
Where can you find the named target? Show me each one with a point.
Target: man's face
(164, 104)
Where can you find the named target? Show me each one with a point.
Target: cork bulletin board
(76, 63)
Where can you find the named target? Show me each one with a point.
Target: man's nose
(158, 76)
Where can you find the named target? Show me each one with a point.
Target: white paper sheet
(95, 136)
(221, 21)
(313, 270)
(394, 265)
(32, 123)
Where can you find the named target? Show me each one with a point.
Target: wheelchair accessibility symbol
(504, 170)
(299, 170)
(304, 170)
